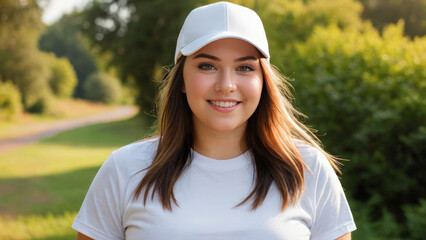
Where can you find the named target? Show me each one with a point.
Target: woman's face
(223, 84)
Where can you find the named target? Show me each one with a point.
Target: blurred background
(358, 68)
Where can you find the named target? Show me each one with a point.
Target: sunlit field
(61, 109)
(42, 185)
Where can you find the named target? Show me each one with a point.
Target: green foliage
(289, 21)
(62, 79)
(101, 87)
(21, 62)
(42, 105)
(128, 93)
(416, 220)
(65, 40)
(383, 12)
(385, 227)
(10, 101)
(365, 91)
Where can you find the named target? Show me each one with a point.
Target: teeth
(224, 104)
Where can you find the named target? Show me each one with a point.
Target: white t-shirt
(207, 194)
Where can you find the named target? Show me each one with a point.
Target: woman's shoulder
(144, 146)
(136, 156)
(312, 156)
(306, 150)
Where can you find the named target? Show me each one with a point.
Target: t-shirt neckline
(226, 164)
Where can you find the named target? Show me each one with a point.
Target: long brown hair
(270, 135)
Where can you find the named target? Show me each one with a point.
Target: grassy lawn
(61, 109)
(42, 185)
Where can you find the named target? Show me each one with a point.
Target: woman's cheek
(251, 88)
(199, 84)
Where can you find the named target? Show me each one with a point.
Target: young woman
(231, 160)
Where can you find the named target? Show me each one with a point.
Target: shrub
(366, 92)
(416, 221)
(289, 21)
(42, 105)
(385, 227)
(101, 87)
(29, 72)
(20, 60)
(10, 101)
(63, 79)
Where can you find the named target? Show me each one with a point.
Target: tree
(384, 12)
(62, 80)
(65, 40)
(21, 61)
(101, 87)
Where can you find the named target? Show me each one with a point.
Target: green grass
(42, 185)
(61, 109)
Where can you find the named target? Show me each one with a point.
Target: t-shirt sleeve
(101, 212)
(332, 215)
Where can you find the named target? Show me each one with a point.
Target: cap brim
(200, 42)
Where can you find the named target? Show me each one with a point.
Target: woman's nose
(226, 81)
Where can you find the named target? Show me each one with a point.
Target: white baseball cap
(220, 20)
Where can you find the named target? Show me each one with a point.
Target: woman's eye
(206, 66)
(245, 69)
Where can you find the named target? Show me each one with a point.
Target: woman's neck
(219, 145)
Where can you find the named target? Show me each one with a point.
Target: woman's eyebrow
(204, 55)
(241, 59)
(245, 58)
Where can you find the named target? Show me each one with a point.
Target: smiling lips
(224, 106)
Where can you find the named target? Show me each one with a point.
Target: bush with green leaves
(63, 79)
(374, 229)
(43, 105)
(10, 101)
(287, 22)
(416, 220)
(366, 92)
(101, 87)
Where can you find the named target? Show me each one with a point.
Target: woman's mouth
(223, 104)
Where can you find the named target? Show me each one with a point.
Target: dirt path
(53, 128)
